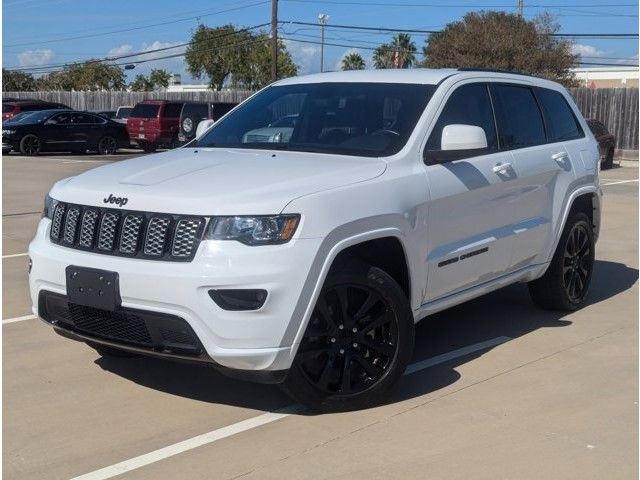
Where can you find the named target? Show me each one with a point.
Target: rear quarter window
(199, 110)
(518, 116)
(562, 124)
(172, 110)
(145, 110)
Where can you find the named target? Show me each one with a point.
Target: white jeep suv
(308, 260)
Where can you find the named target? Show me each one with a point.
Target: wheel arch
(335, 244)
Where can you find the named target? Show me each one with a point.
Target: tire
(148, 147)
(107, 351)
(608, 162)
(565, 284)
(30, 145)
(358, 342)
(107, 145)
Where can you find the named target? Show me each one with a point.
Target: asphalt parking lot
(497, 389)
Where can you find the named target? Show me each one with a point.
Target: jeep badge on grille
(120, 201)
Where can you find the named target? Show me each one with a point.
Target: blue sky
(36, 32)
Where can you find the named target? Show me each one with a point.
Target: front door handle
(502, 168)
(560, 157)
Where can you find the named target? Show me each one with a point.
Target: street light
(323, 18)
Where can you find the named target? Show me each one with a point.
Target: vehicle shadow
(507, 312)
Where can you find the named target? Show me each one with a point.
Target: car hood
(208, 181)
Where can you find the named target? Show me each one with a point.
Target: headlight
(8, 132)
(262, 230)
(49, 207)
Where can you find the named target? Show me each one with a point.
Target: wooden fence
(617, 108)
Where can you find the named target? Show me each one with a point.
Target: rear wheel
(30, 145)
(148, 147)
(107, 351)
(608, 162)
(107, 145)
(357, 344)
(565, 284)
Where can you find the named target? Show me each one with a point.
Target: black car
(63, 131)
(194, 112)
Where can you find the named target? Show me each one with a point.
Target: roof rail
(494, 70)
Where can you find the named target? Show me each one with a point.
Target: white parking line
(619, 182)
(251, 423)
(15, 255)
(18, 319)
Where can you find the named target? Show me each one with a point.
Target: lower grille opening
(142, 329)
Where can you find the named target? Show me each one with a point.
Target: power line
(93, 35)
(137, 54)
(461, 5)
(411, 30)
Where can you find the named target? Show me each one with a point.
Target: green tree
(399, 53)
(140, 84)
(503, 41)
(159, 78)
(92, 75)
(240, 58)
(16, 81)
(353, 61)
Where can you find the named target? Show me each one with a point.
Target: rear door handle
(502, 168)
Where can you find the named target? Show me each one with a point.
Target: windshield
(368, 119)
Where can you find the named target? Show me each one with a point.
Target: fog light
(239, 299)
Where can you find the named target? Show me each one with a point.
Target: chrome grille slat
(156, 236)
(185, 237)
(145, 235)
(130, 234)
(88, 228)
(71, 225)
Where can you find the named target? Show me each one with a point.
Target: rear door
(86, 129)
(169, 121)
(470, 217)
(544, 169)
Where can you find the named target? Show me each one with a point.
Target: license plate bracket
(92, 287)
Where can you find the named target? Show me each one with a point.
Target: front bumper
(243, 340)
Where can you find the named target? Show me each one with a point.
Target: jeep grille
(152, 236)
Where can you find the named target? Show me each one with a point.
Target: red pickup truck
(155, 123)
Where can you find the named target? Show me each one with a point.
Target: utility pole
(323, 18)
(274, 40)
(520, 2)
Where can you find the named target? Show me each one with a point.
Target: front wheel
(30, 145)
(565, 284)
(608, 162)
(358, 342)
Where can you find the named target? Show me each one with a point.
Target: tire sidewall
(558, 260)
(298, 386)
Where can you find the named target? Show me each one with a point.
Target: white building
(607, 77)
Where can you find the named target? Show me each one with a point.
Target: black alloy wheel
(576, 268)
(608, 162)
(107, 145)
(30, 145)
(357, 344)
(565, 284)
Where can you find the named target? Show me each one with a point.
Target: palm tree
(399, 53)
(353, 61)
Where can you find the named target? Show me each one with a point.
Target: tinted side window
(172, 110)
(83, 118)
(519, 120)
(561, 122)
(198, 110)
(61, 119)
(469, 105)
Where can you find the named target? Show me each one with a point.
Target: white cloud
(121, 50)
(152, 60)
(306, 56)
(34, 58)
(587, 50)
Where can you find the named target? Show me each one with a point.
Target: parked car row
(34, 126)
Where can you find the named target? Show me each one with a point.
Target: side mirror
(203, 126)
(463, 137)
